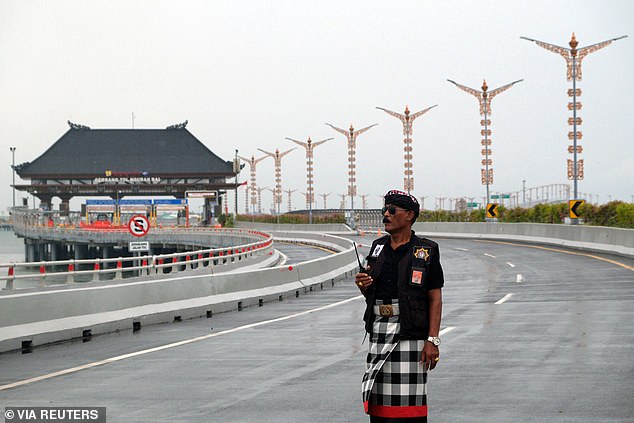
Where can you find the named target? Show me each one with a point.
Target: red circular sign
(139, 225)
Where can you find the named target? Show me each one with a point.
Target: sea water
(11, 247)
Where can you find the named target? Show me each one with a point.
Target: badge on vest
(377, 250)
(422, 253)
(418, 274)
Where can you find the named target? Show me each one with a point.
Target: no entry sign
(139, 225)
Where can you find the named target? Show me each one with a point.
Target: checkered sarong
(395, 383)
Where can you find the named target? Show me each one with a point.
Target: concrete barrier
(332, 228)
(51, 315)
(589, 238)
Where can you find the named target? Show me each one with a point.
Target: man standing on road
(402, 287)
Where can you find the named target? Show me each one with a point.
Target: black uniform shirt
(385, 287)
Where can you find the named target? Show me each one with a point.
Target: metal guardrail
(52, 315)
(249, 243)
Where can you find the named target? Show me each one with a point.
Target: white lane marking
(172, 345)
(461, 249)
(504, 299)
(446, 330)
(284, 258)
(510, 264)
(489, 255)
(519, 278)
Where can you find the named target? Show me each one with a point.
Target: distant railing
(246, 244)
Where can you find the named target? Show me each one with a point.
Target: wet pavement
(557, 347)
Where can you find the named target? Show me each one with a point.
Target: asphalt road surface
(530, 334)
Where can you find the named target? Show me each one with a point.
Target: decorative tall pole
(260, 189)
(364, 204)
(309, 146)
(236, 168)
(277, 156)
(289, 192)
(325, 196)
(13, 167)
(254, 187)
(342, 205)
(408, 120)
(246, 199)
(484, 99)
(573, 57)
(351, 136)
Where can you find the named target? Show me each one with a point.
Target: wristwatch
(434, 340)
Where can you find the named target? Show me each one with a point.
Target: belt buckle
(386, 310)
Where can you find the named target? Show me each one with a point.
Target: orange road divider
(11, 276)
(70, 278)
(95, 276)
(117, 274)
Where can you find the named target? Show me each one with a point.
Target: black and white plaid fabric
(395, 383)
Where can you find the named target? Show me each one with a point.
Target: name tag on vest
(377, 250)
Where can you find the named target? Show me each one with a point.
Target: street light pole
(573, 57)
(277, 157)
(484, 99)
(254, 186)
(351, 136)
(407, 119)
(236, 169)
(13, 167)
(309, 146)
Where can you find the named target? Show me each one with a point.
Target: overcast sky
(248, 74)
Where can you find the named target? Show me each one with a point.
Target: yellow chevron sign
(492, 210)
(573, 206)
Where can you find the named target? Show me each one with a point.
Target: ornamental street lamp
(364, 204)
(236, 170)
(277, 156)
(309, 146)
(422, 201)
(342, 205)
(253, 162)
(407, 120)
(573, 57)
(325, 196)
(289, 192)
(351, 136)
(259, 190)
(13, 167)
(484, 99)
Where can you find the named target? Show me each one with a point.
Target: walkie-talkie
(361, 268)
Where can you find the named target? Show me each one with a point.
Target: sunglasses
(391, 209)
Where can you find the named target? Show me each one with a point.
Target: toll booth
(99, 213)
(171, 212)
(129, 208)
(212, 207)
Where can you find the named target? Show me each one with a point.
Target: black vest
(416, 270)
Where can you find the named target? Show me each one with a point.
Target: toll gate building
(117, 163)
